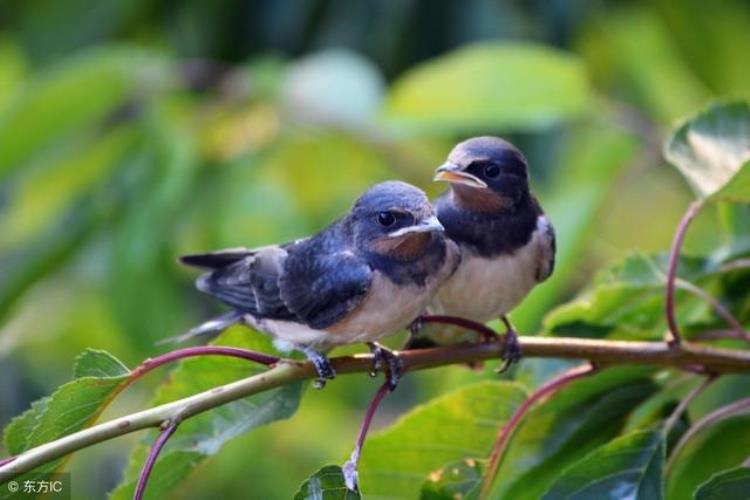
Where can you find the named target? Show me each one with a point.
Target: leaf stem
(674, 338)
(351, 466)
(551, 386)
(153, 454)
(723, 413)
(487, 333)
(685, 402)
(722, 311)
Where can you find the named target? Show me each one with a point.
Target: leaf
(732, 483)
(70, 408)
(521, 86)
(715, 449)
(628, 467)
(326, 484)
(626, 299)
(554, 435)
(457, 426)
(71, 98)
(710, 150)
(457, 481)
(203, 435)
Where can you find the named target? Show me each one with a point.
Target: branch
(600, 352)
(153, 454)
(546, 389)
(674, 258)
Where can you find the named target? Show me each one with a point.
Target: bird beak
(450, 172)
(431, 224)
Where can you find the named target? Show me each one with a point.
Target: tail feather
(215, 325)
(216, 260)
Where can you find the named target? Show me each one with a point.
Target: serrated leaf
(577, 420)
(732, 483)
(521, 86)
(710, 150)
(459, 425)
(628, 467)
(456, 481)
(203, 435)
(70, 408)
(326, 484)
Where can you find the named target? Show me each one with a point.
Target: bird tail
(212, 326)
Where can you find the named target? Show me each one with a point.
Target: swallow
(365, 276)
(506, 242)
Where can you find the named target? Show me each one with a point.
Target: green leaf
(457, 426)
(326, 484)
(628, 467)
(733, 483)
(554, 435)
(715, 449)
(70, 408)
(70, 98)
(521, 86)
(203, 435)
(710, 150)
(626, 299)
(457, 481)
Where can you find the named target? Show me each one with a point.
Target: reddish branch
(506, 432)
(153, 454)
(674, 257)
(351, 466)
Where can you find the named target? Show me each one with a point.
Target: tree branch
(601, 352)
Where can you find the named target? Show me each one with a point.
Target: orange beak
(452, 173)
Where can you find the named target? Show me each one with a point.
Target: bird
(507, 243)
(367, 275)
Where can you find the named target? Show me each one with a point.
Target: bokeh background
(132, 131)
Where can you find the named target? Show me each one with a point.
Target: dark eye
(386, 219)
(491, 171)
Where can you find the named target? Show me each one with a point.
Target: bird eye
(386, 219)
(491, 171)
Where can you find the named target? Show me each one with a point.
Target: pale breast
(486, 288)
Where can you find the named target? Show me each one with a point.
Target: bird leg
(321, 363)
(512, 350)
(385, 358)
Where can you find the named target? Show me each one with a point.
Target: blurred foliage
(132, 131)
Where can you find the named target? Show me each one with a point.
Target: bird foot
(385, 358)
(322, 365)
(512, 348)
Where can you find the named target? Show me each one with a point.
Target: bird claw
(384, 357)
(512, 349)
(322, 365)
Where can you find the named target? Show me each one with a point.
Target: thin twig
(675, 338)
(736, 264)
(153, 454)
(730, 410)
(351, 467)
(503, 437)
(205, 350)
(685, 402)
(605, 352)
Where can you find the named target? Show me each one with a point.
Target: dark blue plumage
(366, 275)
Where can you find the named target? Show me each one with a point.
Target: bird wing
(321, 287)
(548, 248)
(247, 280)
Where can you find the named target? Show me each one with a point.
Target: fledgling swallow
(365, 276)
(507, 244)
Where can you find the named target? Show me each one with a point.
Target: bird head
(395, 220)
(486, 174)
